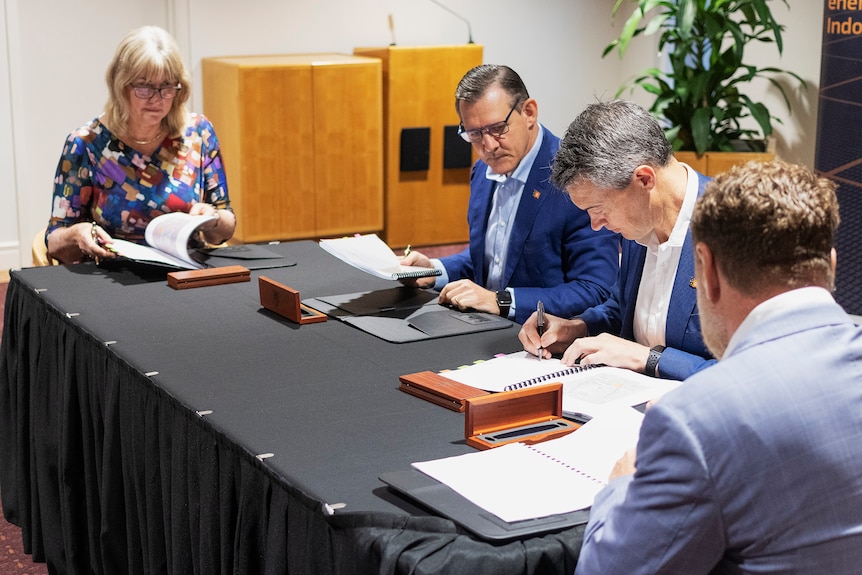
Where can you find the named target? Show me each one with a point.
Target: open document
(517, 481)
(587, 389)
(371, 255)
(167, 238)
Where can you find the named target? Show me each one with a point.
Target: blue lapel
(482, 192)
(537, 188)
(633, 263)
(683, 298)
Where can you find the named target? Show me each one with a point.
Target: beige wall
(53, 55)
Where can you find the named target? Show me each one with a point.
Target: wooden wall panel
(423, 207)
(287, 155)
(348, 148)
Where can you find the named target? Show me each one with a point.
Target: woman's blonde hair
(146, 52)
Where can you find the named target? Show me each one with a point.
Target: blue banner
(839, 138)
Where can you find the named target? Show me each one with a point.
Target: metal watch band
(652, 361)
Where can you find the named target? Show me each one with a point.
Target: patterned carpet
(13, 560)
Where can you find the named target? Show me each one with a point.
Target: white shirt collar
(680, 227)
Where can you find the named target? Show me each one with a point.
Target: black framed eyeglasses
(145, 91)
(495, 130)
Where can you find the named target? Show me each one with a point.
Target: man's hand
(608, 350)
(465, 294)
(418, 259)
(625, 465)
(559, 334)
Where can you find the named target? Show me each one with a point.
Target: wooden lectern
(302, 141)
(426, 165)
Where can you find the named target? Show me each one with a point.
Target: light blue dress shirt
(504, 208)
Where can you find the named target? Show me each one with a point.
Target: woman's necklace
(146, 142)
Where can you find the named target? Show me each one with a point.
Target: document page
(371, 254)
(587, 390)
(170, 233)
(516, 481)
(167, 237)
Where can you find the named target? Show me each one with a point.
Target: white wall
(53, 55)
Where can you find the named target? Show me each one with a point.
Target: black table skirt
(108, 468)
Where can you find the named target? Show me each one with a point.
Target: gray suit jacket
(752, 465)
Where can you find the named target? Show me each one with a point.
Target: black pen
(540, 323)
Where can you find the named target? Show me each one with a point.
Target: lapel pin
(693, 283)
(536, 194)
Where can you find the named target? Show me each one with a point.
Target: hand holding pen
(412, 257)
(100, 248)
(540, 324)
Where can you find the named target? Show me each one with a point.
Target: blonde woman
(144, 156)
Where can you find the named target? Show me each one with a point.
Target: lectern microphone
(469, 29)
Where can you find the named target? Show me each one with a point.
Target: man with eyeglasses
(528, 242)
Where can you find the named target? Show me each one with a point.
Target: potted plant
(700, 96)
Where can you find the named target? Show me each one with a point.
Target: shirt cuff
(443, 278)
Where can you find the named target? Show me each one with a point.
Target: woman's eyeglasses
(145, 91)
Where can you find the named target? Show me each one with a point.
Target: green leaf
(761, 115)
(699, 94)
(700, 129)
(630, 30)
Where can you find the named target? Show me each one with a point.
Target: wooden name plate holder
(284, 301)
(208, 277)
(437, 389)
(527, 415)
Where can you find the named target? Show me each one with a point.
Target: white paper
(516, 482)
(586, 392)
(167, 237)
(371, 254)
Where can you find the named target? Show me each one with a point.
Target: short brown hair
(146, 52)
(769, 224)
(477, 81)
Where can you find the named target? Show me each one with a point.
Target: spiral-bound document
(587, 389)
(517, 482)
(371, 254)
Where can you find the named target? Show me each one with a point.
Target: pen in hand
(406, 251)
(95, 235)
(540, 324)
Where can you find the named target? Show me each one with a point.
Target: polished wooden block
(286, 302)
(302, 141)
(423, 207)
(437, 389)
(528, 415)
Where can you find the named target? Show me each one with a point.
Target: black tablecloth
(151, 430)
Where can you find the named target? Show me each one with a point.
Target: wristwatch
(651, 368)
(504, 301)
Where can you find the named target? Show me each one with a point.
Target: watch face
(504, 298)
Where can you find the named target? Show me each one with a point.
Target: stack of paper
(371, 255)
(516, 482)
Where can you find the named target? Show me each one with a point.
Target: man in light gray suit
(753, 465)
